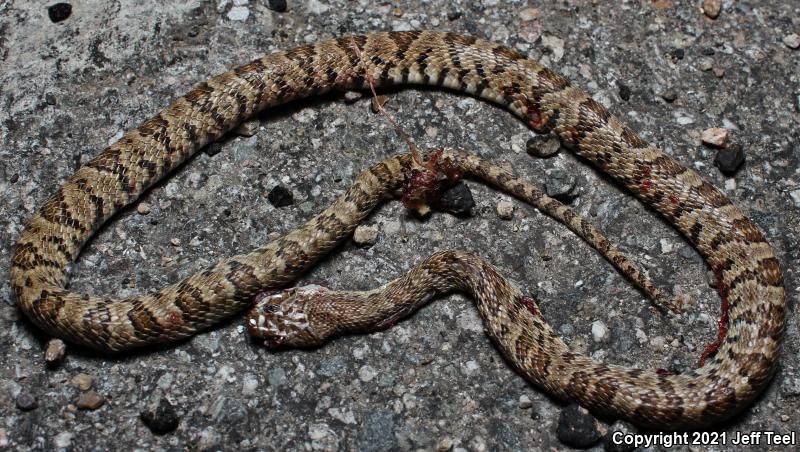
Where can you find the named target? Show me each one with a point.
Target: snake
(748, 274)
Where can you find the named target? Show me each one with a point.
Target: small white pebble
(525, 402)
(792, 41)
(360, 352)
(366, 373)
(706, 64)
(529, 14)
(143, 208)
(239, 13)
(317, 7)
(445, 444)
(795, 194)
(82, 381)
(705, 318)
(711, 8)
(505, 210)
(658, 342)
(641, 336)
(175, 242)
(715, 136)
(556, 46)
(345, 416)
(63, 440)
(365, 235)
(226, 373)
(165, 380)
(56, 348)
(392, 227)
(599, 331)
(116, 137)
(472, 366)
(666, 246)
(249, 385)
(478, 444)
(352, 96)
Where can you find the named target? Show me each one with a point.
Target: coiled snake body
(750, 281)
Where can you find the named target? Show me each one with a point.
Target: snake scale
(749, 277)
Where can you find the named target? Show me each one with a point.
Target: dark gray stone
(790, 386)
(276, 377)
(561, 185)
(624, 91)
(227, 410)
(332, 366)
(26, 401)
(59, 12)
(687, 252)
(376, 432)
(677, 54)
(456, 200)
(453, 14)
(160, 417)
(278, 6)
(280, 196)
(729, 160)
(670, 95)
(623, 337)
(577, 427)
(542, 146)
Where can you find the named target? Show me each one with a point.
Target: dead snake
(748, 274)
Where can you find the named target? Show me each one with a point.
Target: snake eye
(272, 308)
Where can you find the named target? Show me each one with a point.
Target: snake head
(283, 318)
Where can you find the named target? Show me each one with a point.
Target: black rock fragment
(280, 196)
(456, 200)
(59, 12)
(26, 401)
(160, 418)
(729, 160)
(279, 6)
(577, 427)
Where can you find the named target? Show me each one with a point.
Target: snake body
(750, 281)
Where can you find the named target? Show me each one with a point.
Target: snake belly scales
(748, 273)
